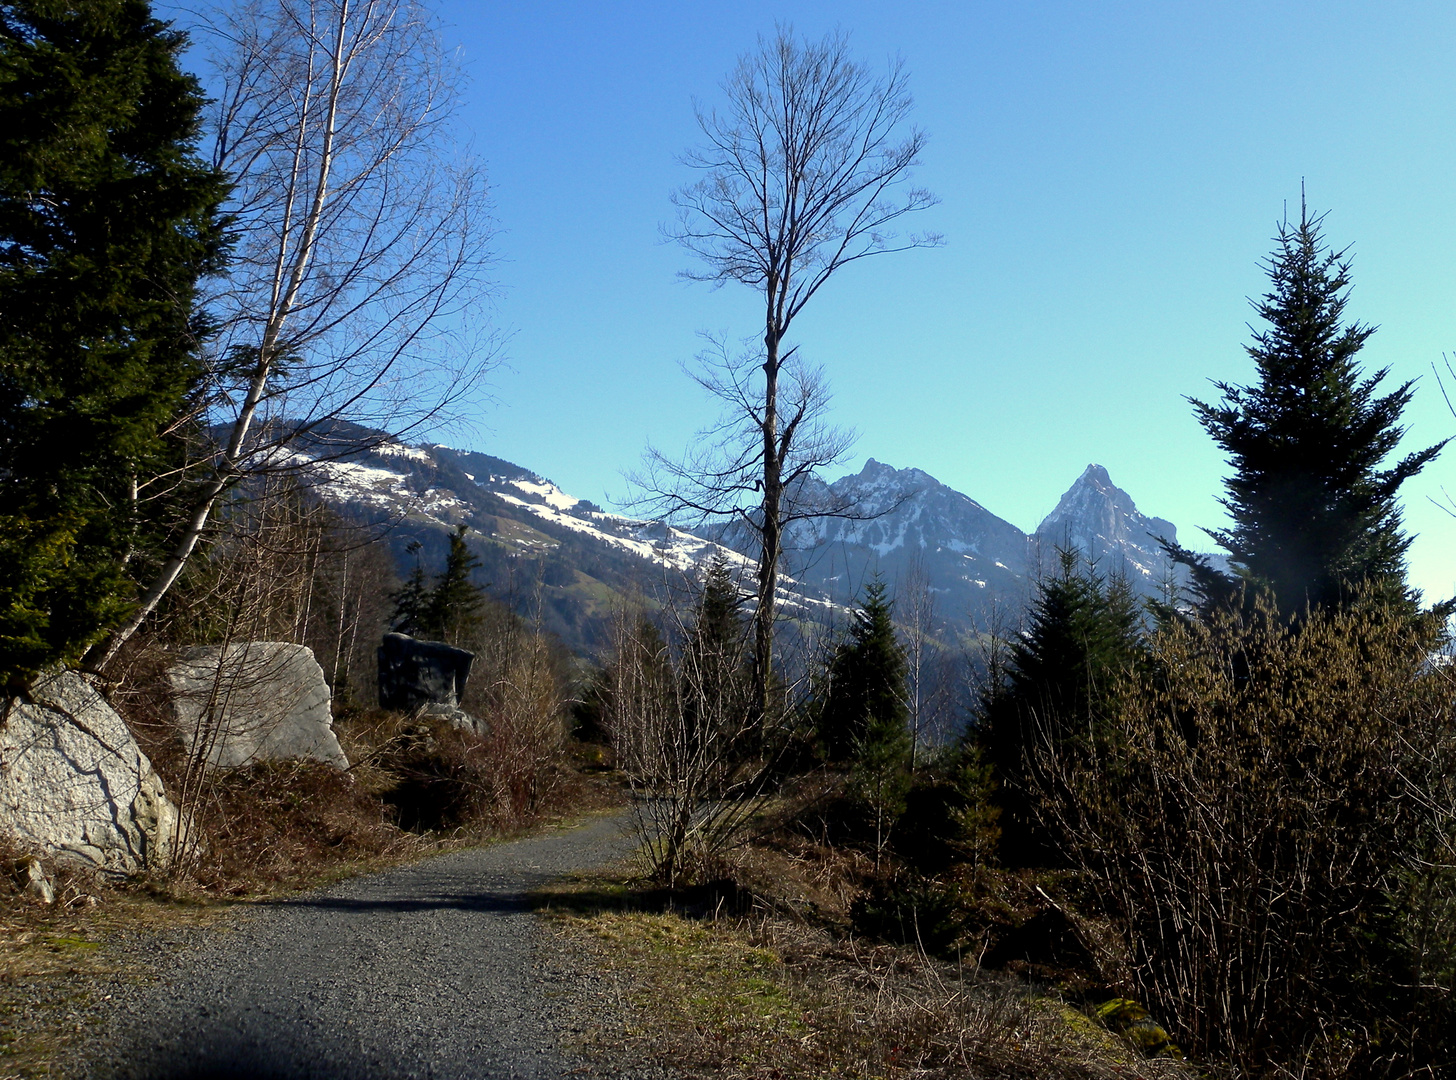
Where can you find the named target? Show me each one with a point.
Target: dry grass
(52, 957)
(762, 993)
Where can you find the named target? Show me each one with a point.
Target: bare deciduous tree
(360, 246)
(802, 173)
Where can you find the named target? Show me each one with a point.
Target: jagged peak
(1096, 507)
(878, 472)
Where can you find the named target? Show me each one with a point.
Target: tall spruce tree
(1055, 687)
(864, 702)
(108, 218)
(1314, 512)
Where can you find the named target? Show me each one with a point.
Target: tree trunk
(288, 280)
(768, 563)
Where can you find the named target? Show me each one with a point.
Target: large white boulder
(74, 784)
(259, 701)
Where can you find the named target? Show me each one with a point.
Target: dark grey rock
(414, 674)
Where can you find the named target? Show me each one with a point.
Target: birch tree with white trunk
(360, 256)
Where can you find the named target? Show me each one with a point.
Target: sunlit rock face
(74, 785)
(1099, 520)
(255, 701)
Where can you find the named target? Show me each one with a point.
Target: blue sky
(1111, 175)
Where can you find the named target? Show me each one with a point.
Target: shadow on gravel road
(496, 902)
(255, 1066)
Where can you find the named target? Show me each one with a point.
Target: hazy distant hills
(567, 561)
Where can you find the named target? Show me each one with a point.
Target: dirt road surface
(432, 970)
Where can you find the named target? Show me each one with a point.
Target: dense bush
(1267, 817)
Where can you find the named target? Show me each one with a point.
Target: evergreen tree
(1314, 512)
(453, 607)
(411, 598)
(864, 701)
(865, 720)
(1056, 685)
(717, 690)
(108, 217)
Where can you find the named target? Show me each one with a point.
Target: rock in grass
(74, 784)
(256, 701)
(1130, 1020)
(35, 882)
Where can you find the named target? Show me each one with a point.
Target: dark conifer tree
(1083, 632)
(864, 700)
(411, 598)
(717, 679)
(453, 607)
(1314, 510)
(108, 217)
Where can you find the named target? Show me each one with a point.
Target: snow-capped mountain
(542, 550)
(973, 561)
(571, 562)
(980, 568)
(1099, 519)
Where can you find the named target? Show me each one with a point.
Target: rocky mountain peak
(1093, 499)
(1099, 519)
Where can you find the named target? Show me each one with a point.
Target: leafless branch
(803, 172)
(361, 246)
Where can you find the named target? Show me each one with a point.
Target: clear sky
(1111, 175)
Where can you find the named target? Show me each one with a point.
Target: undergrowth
(709, 991)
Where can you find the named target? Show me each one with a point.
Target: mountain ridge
(571, 563)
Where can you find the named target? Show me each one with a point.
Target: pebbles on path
(431, 970)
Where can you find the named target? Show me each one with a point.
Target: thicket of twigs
(1267, 815)
(282, 567)
(1244, 822)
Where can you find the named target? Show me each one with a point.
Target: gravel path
(431, 970)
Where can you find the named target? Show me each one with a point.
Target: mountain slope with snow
(1098, 519)
(903, 522)
(546, 553)
(569, 562)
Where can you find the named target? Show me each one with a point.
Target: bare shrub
(518, 688)
(1267, 815)
(686, 728)
(278, 566)
(276, 824)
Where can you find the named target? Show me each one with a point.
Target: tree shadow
(597, 896)
(499, 903)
